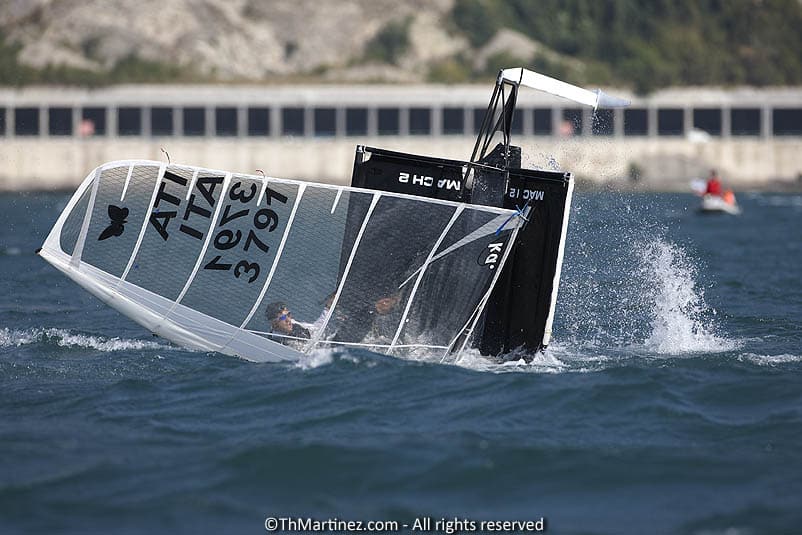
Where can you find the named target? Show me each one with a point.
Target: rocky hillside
(627, 42)
(236, 40)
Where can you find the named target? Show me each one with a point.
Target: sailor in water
(283, 328)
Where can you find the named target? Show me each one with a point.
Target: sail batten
(79, 245)
(145, 218)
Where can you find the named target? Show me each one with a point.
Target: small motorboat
(716, 204)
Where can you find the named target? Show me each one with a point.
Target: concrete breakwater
(51, 138)
(656, 164)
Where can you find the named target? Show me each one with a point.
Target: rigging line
(422, 270)
(159, 179)
(491, 128)
(504, 127)
(319, 334)
(346, 344)
(485, 230)
(485, 123)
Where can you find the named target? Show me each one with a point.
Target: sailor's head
(713, 173)
(279, 316)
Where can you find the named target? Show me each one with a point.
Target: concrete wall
(665, 163)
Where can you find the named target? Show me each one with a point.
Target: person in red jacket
(713, 184)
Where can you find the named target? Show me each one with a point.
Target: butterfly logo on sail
(117, 225)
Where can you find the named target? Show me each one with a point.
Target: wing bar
(595, 99)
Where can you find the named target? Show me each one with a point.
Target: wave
(681, 322)
(316, 359)
(771, 360)
(781, 201)
(67, 338)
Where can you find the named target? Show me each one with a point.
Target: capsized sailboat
(713, 199)
(419, 254)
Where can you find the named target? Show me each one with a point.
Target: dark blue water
(669, 402)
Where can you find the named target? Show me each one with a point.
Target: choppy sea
(669, 402)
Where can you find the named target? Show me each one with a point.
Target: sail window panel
(325, 122)
(175, 232)
(93, 122)
(258, 121)
(787, 121)
(636, 122)
(420, 121)
(314, 256)
(541, 121)
(392, 247)
(129, 121)
(243, 245)
(356, 121)
(161, 121)
(26, 121)
(453, 285)
(670, 122)
(115, 224)
(708, 120)
(72, 225)
(59, 121)
(389, 121)
(745, 121)
(194, 122)
(292, 121)
(225, 121)
(453, 121)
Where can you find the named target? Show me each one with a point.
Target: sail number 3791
(264, 219)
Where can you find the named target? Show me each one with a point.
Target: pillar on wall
(766, 122)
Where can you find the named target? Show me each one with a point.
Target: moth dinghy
(419, 255)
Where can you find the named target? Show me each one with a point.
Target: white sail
(198, 255)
